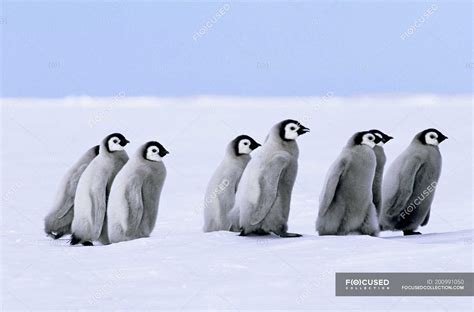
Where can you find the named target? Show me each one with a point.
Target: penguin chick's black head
(366, 138)
(385, 138)
(244, 144)
(115, 142)
(154, 151)
(290, 129)
(431, 137)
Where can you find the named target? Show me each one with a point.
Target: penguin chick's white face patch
(291, 131)
(381, 143)
(153, 153)
(369, 140)
(431, 138)
(244, 146)
(114, 144)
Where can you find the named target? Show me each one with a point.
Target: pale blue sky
(63, 48)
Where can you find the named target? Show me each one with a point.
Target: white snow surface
(181, 268)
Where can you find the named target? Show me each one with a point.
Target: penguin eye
(292, 128)
(115, 141)
(433, 136)
(154, 150)
(246, 143)
(371, 138)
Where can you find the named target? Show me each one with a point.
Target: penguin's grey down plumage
(58, 221)
(220, 193)
(346, 203)
(263, 197)
(93, 190)
(135, 195)
(410, 183)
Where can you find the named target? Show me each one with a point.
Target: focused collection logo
(404, 284)
(367, 284)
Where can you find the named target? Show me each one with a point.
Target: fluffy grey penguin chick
(58, 221)
(264, 193)
(93, 190)
(381, 159)
(410, 184)
(220, 194)
(135, 195)
(345, 204)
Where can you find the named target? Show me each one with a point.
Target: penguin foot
(74, 240)
(287, 235)
(260, 232)
(58, 235)
(87, 244)
(55, 235)
(410, 232)
(242, 233)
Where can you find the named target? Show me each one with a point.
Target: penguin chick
(345, 204)
(93, 190)
(220, 194)
(264, 193)
(410, 184)
(381, 159)
(135, 195)
(58, 221)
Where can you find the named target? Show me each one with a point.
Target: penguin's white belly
(88, 219)
(83, 201)
(117, 212)
(250, 184)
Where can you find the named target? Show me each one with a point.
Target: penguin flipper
(332, 182)
(64, 205)
(70, 191)
(404, 190)
(54, 223)
(74, 240)
(268, 183)
(98, 209)
(135, 209)
(427, 218)
(410, 232)
(289, 235)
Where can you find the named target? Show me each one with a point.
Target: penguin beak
(124, 142)
(387, 138)
(302, 130)
(255, 145)
(163, 153)
(377, 139)
(442, 138)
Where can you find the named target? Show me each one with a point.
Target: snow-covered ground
(180, 267)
